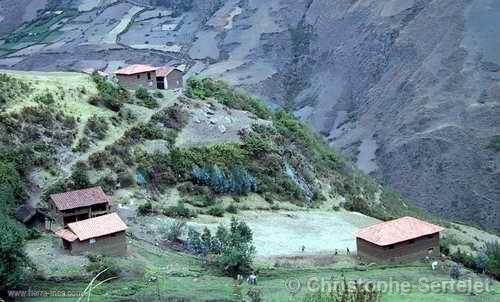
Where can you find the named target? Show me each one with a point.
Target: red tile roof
(79, 198)
(399, 230)
(134, 69)
(164, 71)
(97, 226)
(66, 235)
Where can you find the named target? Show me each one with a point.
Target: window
(138, 76)
(92, 241)
(149, 75)
(430, 236)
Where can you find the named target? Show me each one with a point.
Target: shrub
(142, 93)
(100, 159)
(99, 263)
(173, 231)
(172, 117)
(83, 145)
(216, 211)
(203, 88)
(11, 88)
(46, 98)
(233, 209)
(13, 260)
(126, 179)
(194, 244)
(97, 126)
(109, 92)
(107, 183)
(79, 175)
(179, 211)
(239, 181)
(158, 94)
(33, 234)
(145, 208)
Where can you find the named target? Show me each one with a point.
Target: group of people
(348, 252)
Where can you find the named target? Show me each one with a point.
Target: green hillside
(204, 156)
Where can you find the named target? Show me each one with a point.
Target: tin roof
(79, 198)
(97, 226)
(134, 69)
(399, 230)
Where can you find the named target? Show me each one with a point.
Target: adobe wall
(111, 245)
(401, 252)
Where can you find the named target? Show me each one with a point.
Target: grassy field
(185, 276)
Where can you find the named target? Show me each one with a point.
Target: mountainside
(178, 167)
(409, 88)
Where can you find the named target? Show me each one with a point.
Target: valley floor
(186, 279)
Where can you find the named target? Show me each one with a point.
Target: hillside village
(149, 179)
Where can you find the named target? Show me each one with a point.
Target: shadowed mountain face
(410, 88)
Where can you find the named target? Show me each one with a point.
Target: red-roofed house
(402, 240)
(104, 235)
(79, 205)
(137, 75)
(168, 77)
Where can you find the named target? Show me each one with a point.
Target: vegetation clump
(97, 127)
(148, 101)
(104, 265)
(109, 95)
(12, 88)
(232, 247)
(203, 88)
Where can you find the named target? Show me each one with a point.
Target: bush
(203, 88)
(145, 208)
(79, 175)
(233, 209)
(142, 93)
(46, 98)
(13, 260)
(83, 145)
(11, 88)
(97, 126)
(158, 94)
(194, 244)
(173, 230)
(99, 263)
(110, 96)
(33, 234)
(151, 103)
(172, 117)
(126, 179)
(179, 211)
(216, 211)
(239, 181)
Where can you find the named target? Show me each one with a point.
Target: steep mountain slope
(410, 88)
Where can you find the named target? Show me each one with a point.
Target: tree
(13, 259)
(79, 175)
(238, 251)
